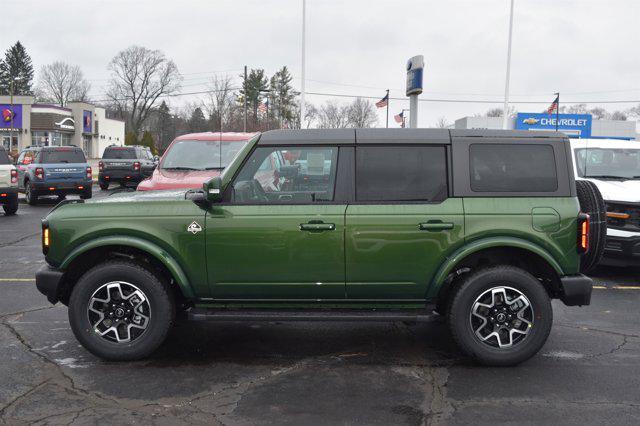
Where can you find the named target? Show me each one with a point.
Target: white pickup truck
(8, 184)
(614, 167)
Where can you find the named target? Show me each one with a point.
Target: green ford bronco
(484, 227)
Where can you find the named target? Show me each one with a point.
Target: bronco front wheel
(120, 310)
(500, 316)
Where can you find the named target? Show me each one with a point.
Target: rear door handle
(435, 226)
(317, 227)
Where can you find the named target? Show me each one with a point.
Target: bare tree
(599, 113)
(220, 102)
(333, 116)
(442, 123)
(634, 112)
(576, 109)
(494, 112)
(619, 115)
(61, 83)
(139, 76)
(361, 114)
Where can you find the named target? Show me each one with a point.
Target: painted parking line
(20, 280)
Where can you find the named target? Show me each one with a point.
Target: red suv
(193, 159)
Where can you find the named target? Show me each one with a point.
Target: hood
(174, 179)
(137, 196)
(615, 190)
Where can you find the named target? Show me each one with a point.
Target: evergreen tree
(147, 140)
(282, 97)
(16, 67)
(165, 126)
(130, 139)
(197, 122)
(254, 89)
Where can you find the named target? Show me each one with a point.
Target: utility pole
(387, 108)
(505, 118)
(302, 88)
(245, 99)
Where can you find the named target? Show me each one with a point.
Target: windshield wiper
(180, 168)
(607, 177)
(213, 168)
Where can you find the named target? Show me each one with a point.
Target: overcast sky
(586, 49)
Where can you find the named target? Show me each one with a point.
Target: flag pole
(505, 119)
(557, 110)
(387, 108)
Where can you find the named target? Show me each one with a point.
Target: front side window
(512, 168)
(608, 163)
(287, 175)
(200, 155)
(401, 173)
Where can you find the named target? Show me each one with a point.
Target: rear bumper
(48, 281)
(56, 188)
(120, 176)
(576, 290)
(8, 194)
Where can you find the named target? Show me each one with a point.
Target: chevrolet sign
(574, 125)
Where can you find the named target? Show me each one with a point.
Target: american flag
(263, 106)
(399, 117)
(383, 102)
(554, 105)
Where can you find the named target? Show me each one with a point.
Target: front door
(280, 234)
(402, 225)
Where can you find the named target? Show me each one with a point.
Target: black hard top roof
(399, 136)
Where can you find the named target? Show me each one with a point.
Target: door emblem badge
(194, 228)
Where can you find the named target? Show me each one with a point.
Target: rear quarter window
(4, 157)
(512, 168)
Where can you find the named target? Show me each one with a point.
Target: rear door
(402, 224)
(281, 233)
(63, 165)
(118, 160)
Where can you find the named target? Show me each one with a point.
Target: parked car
(8, 184)
(53, 170)
(125, 165)
(366, 224)
(614, 167)
(193, 159)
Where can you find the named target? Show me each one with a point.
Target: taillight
(46, 237)
(100, 166)
(39, 173)
(14, 176)
(583, 233)
(88, 172)
(136, 166)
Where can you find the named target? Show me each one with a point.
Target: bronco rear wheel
(500, 316)
(120, 310)
(30, 194)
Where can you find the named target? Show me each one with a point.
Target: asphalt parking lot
(310, 373)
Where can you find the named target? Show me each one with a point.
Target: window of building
(512, 168)
(401, 173)
(287, 175)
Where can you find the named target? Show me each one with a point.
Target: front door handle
(435, 226)
(317, 226)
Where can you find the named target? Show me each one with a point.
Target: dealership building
(24, 123)
(573, 125)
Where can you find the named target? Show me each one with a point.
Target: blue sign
(415, 68)
(573, 125)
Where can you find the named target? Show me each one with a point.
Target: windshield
(62, 155)
(119, 154)
(4, 158)
(612, 163)
(200, 155)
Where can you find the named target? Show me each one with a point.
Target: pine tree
(254, 89)
(165, 127)
(147, 140)
(282, 96)
(16, 67)
(130, 139)
(197, 122)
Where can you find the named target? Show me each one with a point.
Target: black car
(126, 165)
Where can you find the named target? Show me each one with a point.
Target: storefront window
(40, 138)
(66, 139)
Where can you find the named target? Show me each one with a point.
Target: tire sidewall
(162, 311)
(482, 281)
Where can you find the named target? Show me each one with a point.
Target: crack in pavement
(19, 240)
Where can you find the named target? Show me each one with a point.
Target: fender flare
(154, 250)
(482, 244)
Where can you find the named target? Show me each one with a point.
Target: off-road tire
(155, 289)
(86, 193)
(30, 194)
(104, 186)
(591, 202)
(12, 206)
(462, 301)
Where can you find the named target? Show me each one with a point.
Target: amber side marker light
(583, 233)
(616, 215)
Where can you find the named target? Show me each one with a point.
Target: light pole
(302, 88)
(506, 84)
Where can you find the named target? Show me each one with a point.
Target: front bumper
(48, 282)
(576, 290)
(622, 246)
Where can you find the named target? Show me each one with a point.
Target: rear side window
(4, 158)
(512, 168)
(56, 156)
(119, 154)
(401, 173)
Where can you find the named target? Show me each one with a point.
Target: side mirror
(213, 189)
(156, 158)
